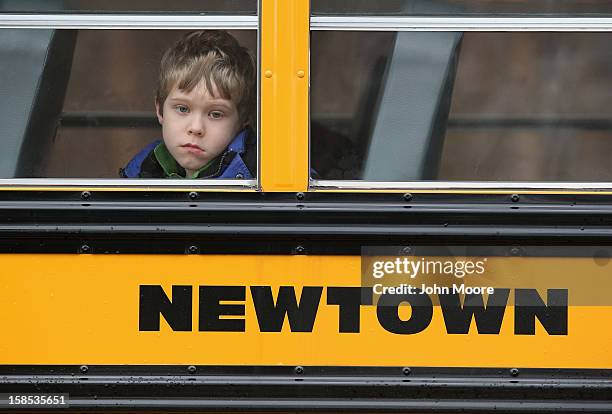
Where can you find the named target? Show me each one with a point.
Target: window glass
(81, 104)
(245, 7)
(450, 106)
(460, 7)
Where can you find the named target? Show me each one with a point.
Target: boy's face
(197, 126)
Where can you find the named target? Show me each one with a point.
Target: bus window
(81, 103)
(444, 106)
(244, 7)
(461, 7)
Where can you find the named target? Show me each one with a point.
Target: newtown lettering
(223, 309)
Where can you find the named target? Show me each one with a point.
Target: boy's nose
(196, 127)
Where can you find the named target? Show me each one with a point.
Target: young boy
(205, 102)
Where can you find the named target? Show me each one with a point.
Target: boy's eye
(216, 114)
(182, 109)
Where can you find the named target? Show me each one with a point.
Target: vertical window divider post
(284, 80)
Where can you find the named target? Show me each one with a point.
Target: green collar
(172, 169)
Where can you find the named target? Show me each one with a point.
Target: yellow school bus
(428, 229)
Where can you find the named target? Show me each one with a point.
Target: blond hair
(215, 57)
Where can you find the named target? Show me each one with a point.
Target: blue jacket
(236, 169)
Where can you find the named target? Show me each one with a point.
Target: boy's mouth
(193, 147)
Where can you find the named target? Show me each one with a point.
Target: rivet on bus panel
(268, 73)
(300, 73)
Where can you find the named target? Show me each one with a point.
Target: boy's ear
(160, 117)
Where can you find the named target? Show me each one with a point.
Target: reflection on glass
(461, 7)
(461, 106)
(243, 7)
(80, 104)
